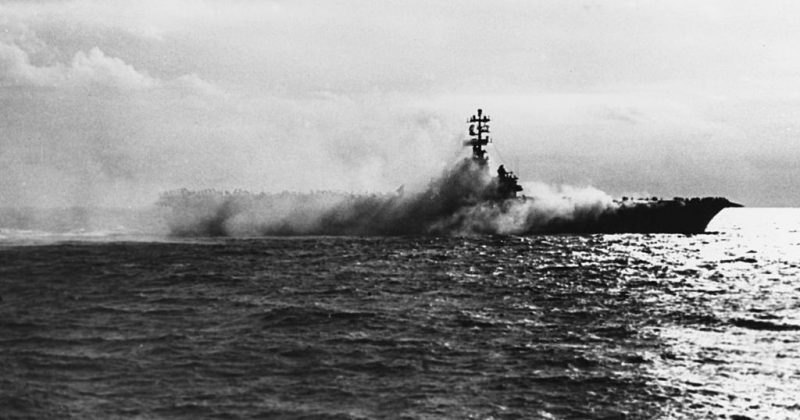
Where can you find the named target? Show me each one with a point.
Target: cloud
(28, 59)
(96, 67)
(355, 95)
(88, 69)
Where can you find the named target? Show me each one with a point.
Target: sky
(109, 103)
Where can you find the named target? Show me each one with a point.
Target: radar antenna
(478, 127)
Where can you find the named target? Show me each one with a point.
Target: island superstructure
(507, 183)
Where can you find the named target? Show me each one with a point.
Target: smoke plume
(462, 201)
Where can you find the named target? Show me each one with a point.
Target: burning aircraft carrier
(465, 199)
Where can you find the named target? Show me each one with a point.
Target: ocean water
(122, 325)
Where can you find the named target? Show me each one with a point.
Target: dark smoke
(462, 201)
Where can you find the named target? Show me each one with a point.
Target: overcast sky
(111, 102)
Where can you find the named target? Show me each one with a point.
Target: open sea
(106, 325)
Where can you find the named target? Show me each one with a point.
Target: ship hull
(663, 216)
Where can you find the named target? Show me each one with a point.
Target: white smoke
(462, 201)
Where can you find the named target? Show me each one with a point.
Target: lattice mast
(479, 132)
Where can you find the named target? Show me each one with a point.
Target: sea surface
(103, 325)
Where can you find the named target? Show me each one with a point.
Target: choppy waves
(615, 326)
